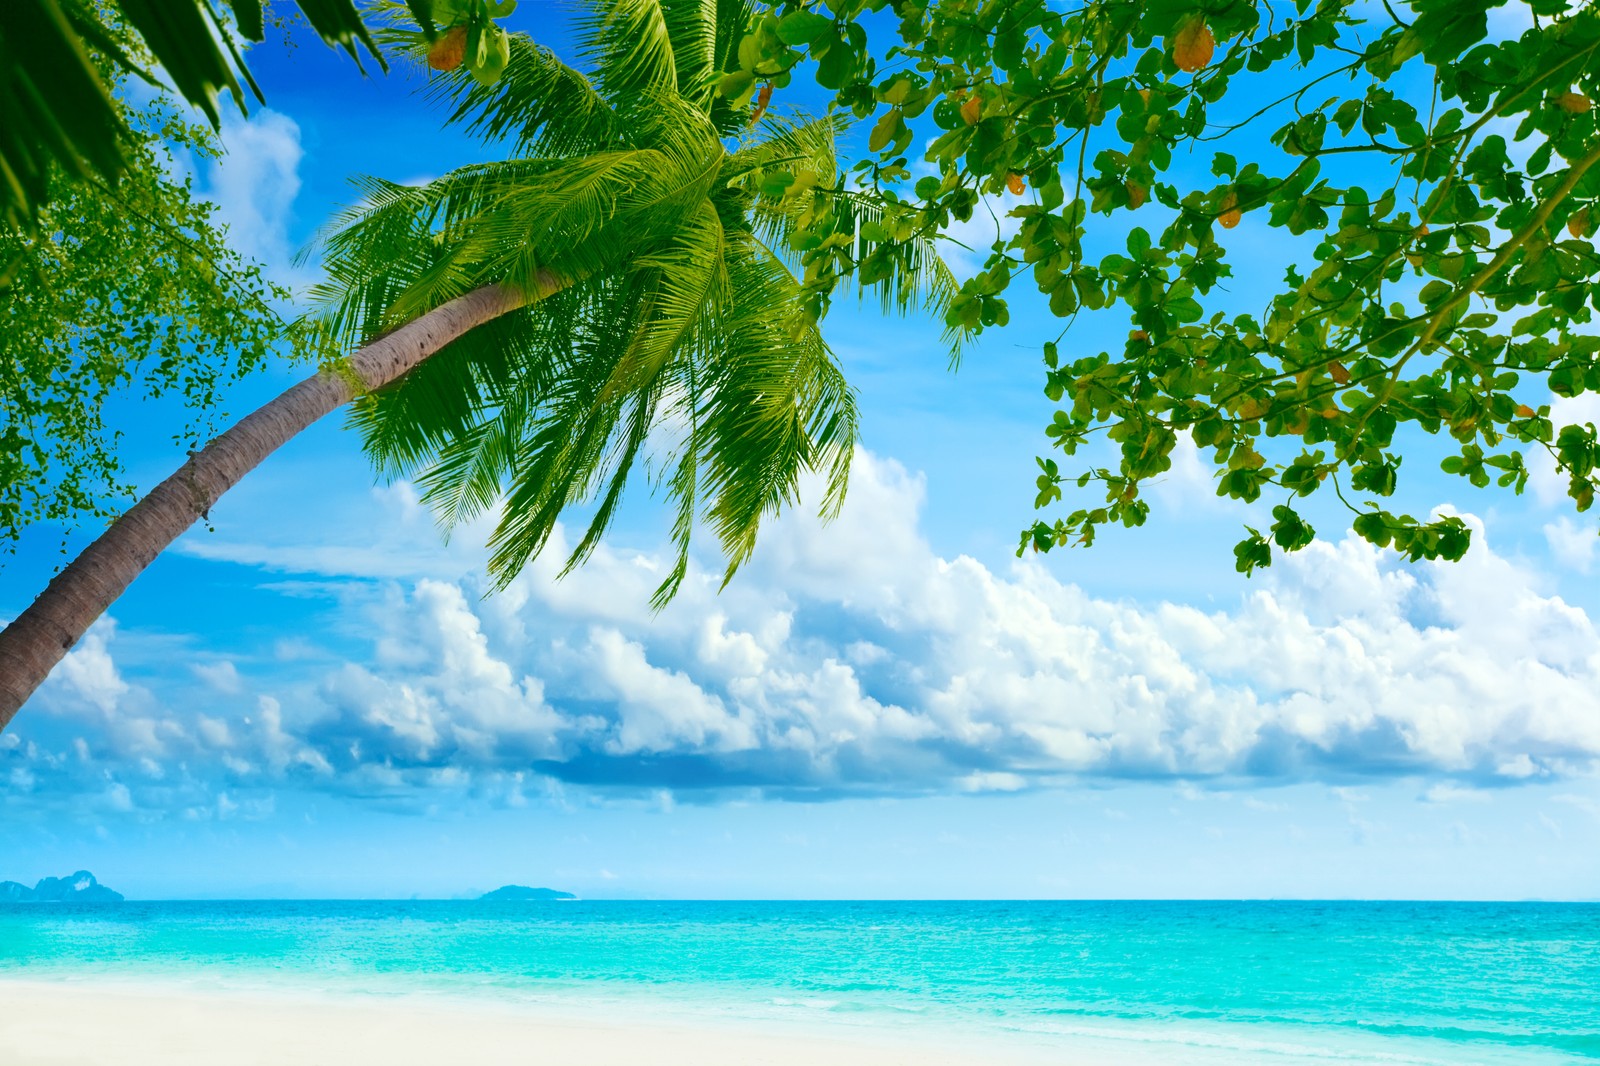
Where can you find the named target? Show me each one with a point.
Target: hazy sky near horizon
(316, 698)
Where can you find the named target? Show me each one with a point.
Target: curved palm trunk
(37, 639)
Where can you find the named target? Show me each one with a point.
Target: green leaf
(803, 27)
(1251, 554)
(247, 17)
(885, 131)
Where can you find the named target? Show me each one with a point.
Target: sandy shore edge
(85, 1023)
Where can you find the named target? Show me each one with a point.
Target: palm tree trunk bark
(37, 639)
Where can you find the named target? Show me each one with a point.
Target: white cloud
(853, 658)
(1191, 484)
(1549, 485)
(991, 781)
(1590, 805)
(1444, 792)
(1572, 544)
(967, 244)
(88, 672)
(658, 710)
(221, 675)
(254, 184)
(404, 544)
(434, 694)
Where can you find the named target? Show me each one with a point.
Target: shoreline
(172, 1020)
(114, 1022)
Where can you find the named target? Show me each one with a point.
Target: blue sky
(316, 698)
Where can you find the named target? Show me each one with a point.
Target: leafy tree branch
(1435, 211)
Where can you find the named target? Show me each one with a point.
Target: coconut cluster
(472, 39)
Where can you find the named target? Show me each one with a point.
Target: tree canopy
(656, 219)
(115, 277)
(1427, 171)
(126, 288)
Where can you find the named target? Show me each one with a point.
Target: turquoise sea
(1257, 982)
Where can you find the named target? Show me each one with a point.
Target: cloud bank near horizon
(846, 660)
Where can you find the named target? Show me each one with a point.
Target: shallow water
(1299, 983)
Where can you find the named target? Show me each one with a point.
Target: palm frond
(690, 283)
(897, 262)
(593, 435)
(705, 36)
(799, 145)
(465, 480)
(629, 46)
(407, 249)
(540, 107)
(572, 446)
(690, 287)
(692, 30)
(502, 364)
(778, 406)
(679, 325)
(683, 489)
(734, 18)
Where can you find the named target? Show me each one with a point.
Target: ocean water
(1464, 984)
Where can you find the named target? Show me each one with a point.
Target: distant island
(80, 887)
(523, 893)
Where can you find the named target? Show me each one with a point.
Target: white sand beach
(88, 1024)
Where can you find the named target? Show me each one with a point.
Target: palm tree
(525, 330)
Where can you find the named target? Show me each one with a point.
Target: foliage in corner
(59, 108)
(1429, 168)
(123, 290)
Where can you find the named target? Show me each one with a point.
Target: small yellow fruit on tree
(1230, 216)
(449, 49)
(1193, 45)
(763, 98)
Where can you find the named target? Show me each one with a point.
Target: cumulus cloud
(853, 659)
(254, 184)
(221, 675)
(1572, 545)
(89, 672)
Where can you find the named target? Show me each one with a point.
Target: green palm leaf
(668, 316)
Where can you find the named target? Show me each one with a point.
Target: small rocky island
(80, 887)
(522, 893)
